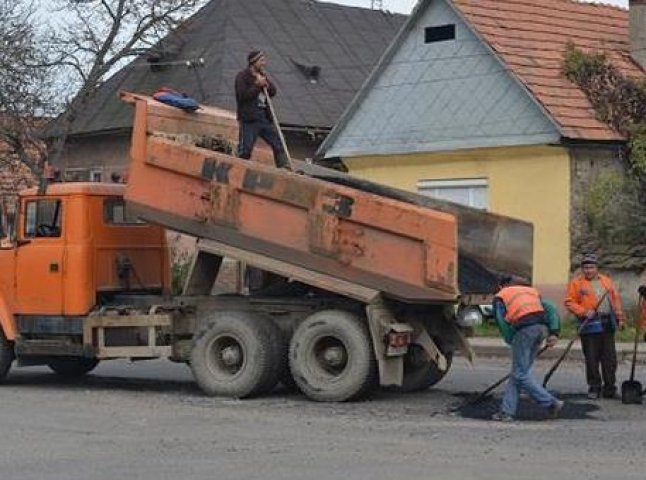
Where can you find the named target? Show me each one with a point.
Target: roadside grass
(568, 330)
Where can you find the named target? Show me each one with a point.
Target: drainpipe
(637, 10)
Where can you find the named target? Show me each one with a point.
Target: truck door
(39, 260)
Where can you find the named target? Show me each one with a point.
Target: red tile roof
(531, 36)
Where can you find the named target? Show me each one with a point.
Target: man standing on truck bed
(253, 112)
(525, 320)
(593, 298)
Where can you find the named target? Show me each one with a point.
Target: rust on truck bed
(405, 251)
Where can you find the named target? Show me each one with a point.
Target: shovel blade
(631, 392)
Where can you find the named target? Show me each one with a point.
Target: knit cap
(254, 56)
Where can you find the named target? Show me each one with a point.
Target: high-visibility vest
(519, 302)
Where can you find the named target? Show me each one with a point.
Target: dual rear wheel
(237, 354)
(329, 357)
(244, 354)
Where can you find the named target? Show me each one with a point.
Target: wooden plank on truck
(100, 323)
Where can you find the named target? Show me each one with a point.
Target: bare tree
(24, 90)
(97, 36)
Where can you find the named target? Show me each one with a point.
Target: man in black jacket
(253, 111)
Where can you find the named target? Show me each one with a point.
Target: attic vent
(439, 34)
(311, 72)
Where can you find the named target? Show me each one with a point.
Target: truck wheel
(72, 367)
(331, 357)
(235, 355)
(6, 356)
(421, 373)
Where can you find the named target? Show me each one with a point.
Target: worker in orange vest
(594, 300)
(525, 322)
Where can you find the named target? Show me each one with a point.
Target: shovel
(482, 395)
(274, 118)
(631, 390)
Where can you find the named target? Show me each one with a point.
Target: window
(115, 212)
(472, 192)
(439, 34)
(96, 175)
(77, 175)
(43, 218)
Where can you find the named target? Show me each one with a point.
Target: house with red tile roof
(469, 103)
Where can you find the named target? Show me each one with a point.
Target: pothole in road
(576, 408)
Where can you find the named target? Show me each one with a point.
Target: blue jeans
(524, 346)
(249, 133)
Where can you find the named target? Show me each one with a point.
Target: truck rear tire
(331, 357)
(72, 367)
(6, 356)
(421, 373)
(236, 355)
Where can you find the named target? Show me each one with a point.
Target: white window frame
(71, 173)
(431, 188)
(96, 175)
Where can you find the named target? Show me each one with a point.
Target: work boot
(554, 409)
(609, 392)
(282, 161)
(502, 417)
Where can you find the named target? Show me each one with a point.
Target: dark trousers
(249, 133)
(599, 350)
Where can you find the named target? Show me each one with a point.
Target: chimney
(637, 10)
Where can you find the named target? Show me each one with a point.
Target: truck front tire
(236, 355)
(72, 367)
(331, 357)
(6, 356)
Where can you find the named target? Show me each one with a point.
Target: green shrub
(618, 100)
(614, 210)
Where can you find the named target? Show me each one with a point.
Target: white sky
(402, 6)
(405, 6)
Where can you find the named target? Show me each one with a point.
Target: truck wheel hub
(334, 356)
(331, 355)
(231, 356)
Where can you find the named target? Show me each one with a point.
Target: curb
(498, 349)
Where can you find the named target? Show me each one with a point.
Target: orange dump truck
(357, 287)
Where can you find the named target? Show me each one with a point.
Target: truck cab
(66, 253)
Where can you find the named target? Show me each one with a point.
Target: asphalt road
(149, 421)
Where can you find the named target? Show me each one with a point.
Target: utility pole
(377, 4)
